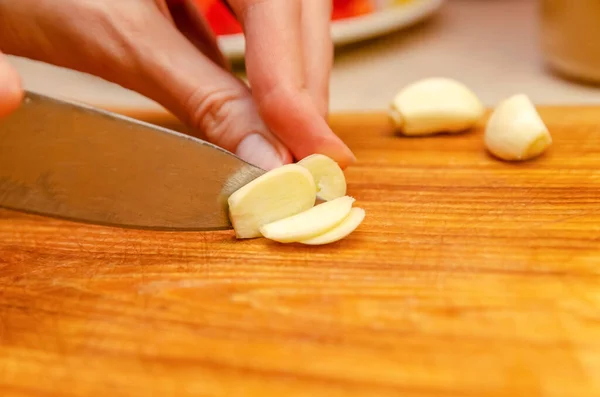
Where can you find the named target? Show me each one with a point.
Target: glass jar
(570, 37)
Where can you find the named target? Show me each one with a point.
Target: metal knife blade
(65, 160)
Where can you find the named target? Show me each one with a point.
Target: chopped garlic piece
(277, 194)
(348, 225)
(329, 177)
(309, 223)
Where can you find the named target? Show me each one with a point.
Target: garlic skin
(309, 223)
(280, 193)
(515, 131)
(435, 105)
(347, 226)
(328, 176)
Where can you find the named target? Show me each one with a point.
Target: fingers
(318, 50)
(11, 92)
(276, 71)
(207, 96)
(273, 44)
(132, 44)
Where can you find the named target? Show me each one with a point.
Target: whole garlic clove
(309, 223)
(328, 176)
(435, 105)
(348, 225)
(515, 130)
(280, 193)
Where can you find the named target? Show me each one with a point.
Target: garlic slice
(347, 226)
(515, 130)
(280, 193)
(435, 105)
(329, 177)
(309, 223)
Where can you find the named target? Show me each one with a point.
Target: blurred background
(496, 47)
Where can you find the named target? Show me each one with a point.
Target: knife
(72, 161)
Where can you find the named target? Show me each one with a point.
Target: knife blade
(72, 161)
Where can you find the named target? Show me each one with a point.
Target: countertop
(490, 45)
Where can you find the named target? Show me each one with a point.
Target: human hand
(164, 50)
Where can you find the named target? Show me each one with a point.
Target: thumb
(11, 92)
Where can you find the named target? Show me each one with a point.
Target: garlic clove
(309, 223)
(435, 105)
(328, 176)
(347, 226)
(280, 193)
(515, 130)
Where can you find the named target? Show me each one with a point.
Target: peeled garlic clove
(435, 105)
(277, 194)
(515, 130)
(347, 226)
(328, 176)
(309, 223)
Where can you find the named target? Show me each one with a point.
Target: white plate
(355, 29)
(72, 85)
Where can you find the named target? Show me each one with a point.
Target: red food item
(222, 22)
(343, 9)
(203, 5)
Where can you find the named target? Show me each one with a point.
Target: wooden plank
(468, 277)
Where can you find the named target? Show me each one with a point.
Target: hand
(164, 50)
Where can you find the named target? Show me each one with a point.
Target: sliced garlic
(347, 226)
(435, 105)
(285, 191)
(309, 223)
(515, 130)
(329, 177)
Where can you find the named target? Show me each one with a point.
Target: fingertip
(297, 123)
(338, 152)
(11, 90)
(347, 159)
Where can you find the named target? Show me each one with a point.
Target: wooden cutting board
(468, 277)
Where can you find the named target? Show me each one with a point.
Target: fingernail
(342, 154)
(353, 158)
(11, 93)
(10, 83)
(258, 151)
(347, 160)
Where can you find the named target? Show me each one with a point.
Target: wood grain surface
(469, 277)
